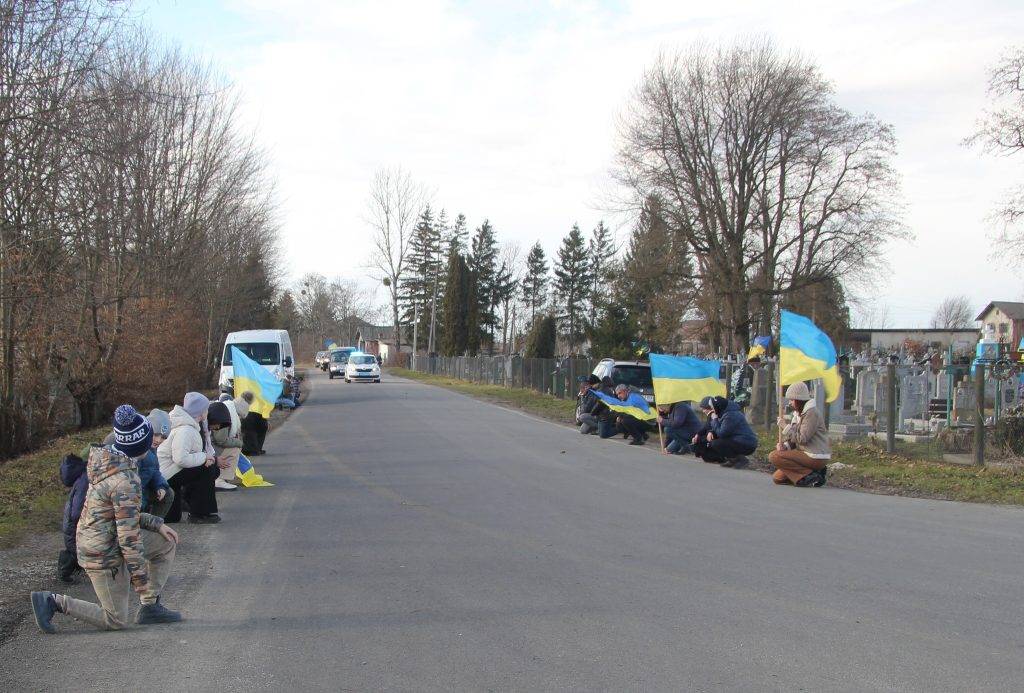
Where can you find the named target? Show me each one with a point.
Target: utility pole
(415, 333)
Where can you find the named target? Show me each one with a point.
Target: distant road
(421, 540)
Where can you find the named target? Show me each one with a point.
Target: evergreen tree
(613, 335)
(459, 326)
(483, 264)
(601, 250)
(504, 297)
(286, 314)
(458, 236)
(420, 280)
(572, 284)
(655, 284)
(253, 292)
(535, 281)
(437, 283)
(541, 341)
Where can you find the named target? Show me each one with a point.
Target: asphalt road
(421, 540)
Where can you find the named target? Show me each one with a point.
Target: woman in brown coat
(805, 450)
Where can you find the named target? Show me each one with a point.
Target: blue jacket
(731, 424)
(72, 475)
(151, 478)
(684, 421)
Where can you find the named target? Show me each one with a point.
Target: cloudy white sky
(507, 110)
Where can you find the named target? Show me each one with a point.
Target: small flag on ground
(250, 376)
(806, 353)
(685, 379)
(635, 405)
(247, 473)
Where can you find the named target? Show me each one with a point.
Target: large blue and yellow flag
(251, 377)
(685, 379)
(247, 473)
(806, 353)
(635, 405)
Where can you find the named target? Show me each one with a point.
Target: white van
(272, 349)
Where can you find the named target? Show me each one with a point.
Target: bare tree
(1000, 131)
(954, 313)
(772, 185)
(395, 202)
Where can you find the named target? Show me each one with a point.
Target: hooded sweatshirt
(185, 447)
(72, 475)
(110, 529)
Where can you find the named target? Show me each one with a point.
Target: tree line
(749, 189)
(137, 221)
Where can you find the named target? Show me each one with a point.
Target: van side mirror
(287, 362)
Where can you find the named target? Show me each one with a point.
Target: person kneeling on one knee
(119, 546)
(805, 450)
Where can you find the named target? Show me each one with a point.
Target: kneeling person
(118, 545)
(805, 449)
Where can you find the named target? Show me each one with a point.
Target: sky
(508, 111)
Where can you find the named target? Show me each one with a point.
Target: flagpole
(778, 375)
(661, 434)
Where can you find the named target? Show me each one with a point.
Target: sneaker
(44, 606)
(740, 462)
(222, 485)
(822, 477)
(203, 519)
(156, 613)
(637, 441)
(808, 480)
(727, 462)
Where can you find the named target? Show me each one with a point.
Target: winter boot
(156, 613)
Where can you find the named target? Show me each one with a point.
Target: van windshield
(263, 353)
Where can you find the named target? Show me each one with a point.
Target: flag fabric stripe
(252, 377)
(807, 353)
(247, 473)
(684, 378)
(631, 407)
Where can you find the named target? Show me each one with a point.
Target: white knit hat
(798, 391)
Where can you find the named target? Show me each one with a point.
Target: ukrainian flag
(685, 379)
(247, 473)
(251, 377)
(806, 353)
(634, 405)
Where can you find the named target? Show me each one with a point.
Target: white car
(362, 367)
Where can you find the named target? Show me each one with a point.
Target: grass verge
(549, 407)
(31, 495)
(865, 466)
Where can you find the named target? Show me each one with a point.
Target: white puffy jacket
(184, 446)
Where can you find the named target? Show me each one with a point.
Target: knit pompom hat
(195, 404)
(133, 435)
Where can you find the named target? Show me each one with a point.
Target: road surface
(420, 540)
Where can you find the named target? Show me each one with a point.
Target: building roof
(1014, 310)
(861, 331)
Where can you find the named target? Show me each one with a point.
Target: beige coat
(808, 434)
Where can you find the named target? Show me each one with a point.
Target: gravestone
(864, 399)
(914, 391)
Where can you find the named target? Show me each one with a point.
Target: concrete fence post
(890, 426)
(979, 416)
